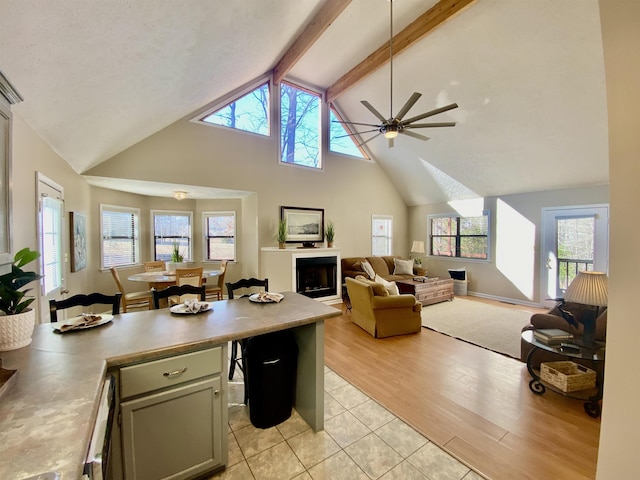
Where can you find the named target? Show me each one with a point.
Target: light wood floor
(474, 403)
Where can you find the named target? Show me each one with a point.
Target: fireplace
(317, 277)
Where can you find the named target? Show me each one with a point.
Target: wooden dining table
(164, 279)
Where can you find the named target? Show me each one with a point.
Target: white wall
(513, 272)
(349, 190)
(620, 432)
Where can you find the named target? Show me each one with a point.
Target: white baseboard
(505, 299)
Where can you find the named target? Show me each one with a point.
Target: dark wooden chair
(235, 344)
(85, 301)
(177, 291)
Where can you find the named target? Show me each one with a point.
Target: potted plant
(282, 233)
(330, 233)
(18, 320)
(176, 257)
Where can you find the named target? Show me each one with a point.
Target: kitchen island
(46, 417)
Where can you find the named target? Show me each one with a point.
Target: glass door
(50, 239)
(573, 239)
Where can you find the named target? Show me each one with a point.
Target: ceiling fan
(392, 126)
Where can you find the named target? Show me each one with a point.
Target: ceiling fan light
(391, 134)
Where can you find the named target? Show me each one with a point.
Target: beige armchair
(380, 314)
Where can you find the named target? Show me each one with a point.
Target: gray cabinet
(173, 424)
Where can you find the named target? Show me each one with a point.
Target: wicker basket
(567, 376)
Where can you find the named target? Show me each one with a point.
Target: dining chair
(132, 300)
(177, 291)
(155, 266)
(216, 290)
(85, 300)
(188, 276)
(243, 283)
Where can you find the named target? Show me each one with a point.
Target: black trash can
(271, 362)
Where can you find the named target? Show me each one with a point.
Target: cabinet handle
(175, 372)
(216, 392)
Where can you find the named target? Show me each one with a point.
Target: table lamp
(591, 289)
(417, 247)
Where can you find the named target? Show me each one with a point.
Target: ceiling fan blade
(431, 113)
(407, 106)
(357, 133)
(367, 141)
(355, 123)
(391, 143)
(414, 135)
(429, 125)
(374, 111)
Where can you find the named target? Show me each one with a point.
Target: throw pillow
(378, 289)
(402, 267)
(368, 269)
(391, 287)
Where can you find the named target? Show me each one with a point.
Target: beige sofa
(383, 266)
(380, 314)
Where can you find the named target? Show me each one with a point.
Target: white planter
(171, 266)
(16, 330)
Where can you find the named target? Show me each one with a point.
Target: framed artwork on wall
(78, 241)
(303, 224)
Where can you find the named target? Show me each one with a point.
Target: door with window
(50, 241)
(573, 239)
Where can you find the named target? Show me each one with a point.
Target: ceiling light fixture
(179, 195)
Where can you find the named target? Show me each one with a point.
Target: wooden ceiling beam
(421, 26)
(326, 15)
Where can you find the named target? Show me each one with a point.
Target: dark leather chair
(176, 291)
(556, 318)
(235, 360)
(85, 300)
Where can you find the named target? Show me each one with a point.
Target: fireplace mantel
(279, 266)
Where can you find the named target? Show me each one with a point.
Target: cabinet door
(174, 434)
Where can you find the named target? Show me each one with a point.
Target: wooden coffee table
(434, 290)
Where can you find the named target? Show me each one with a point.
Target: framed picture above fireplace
(303, 224)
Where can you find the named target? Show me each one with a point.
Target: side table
(594, 355)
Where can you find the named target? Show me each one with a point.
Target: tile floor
(361, 440)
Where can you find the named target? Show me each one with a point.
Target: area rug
(481, 324)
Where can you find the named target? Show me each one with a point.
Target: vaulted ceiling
(528, 75)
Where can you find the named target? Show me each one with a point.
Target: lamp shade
(417, 246)
(588, 288)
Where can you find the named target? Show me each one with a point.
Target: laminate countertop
(47, 415)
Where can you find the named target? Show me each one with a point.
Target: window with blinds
(381, 231)
(120, 227)
(220, 236)
(171, 229)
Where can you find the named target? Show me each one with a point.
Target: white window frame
(205, 241)
(188, 255)
(234, 96)
(322, 123)
(485, 213)
(136, 239)
(389, 237)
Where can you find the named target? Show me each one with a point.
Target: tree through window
(300, 126)
(249, 112)
(457, 236)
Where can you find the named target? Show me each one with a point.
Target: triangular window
(341, 140)
(249, 112)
